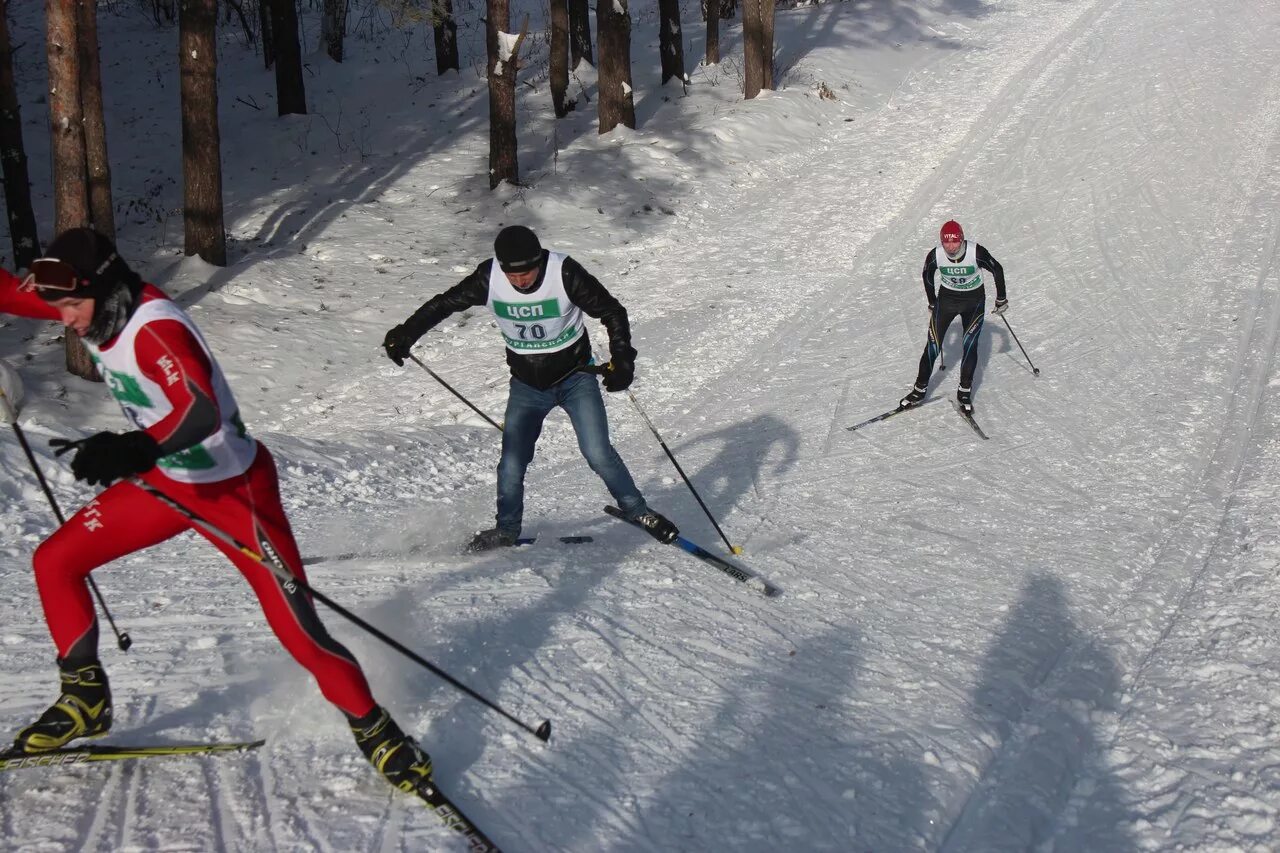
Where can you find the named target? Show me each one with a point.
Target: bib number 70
(534, 331)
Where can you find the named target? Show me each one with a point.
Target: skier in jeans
(539, 298)
(958, 263)
(187, 441)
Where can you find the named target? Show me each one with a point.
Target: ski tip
(765, 588)
(543, 732)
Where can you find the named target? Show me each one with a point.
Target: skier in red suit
(187, 441)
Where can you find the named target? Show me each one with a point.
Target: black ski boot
(658, 526)
(965, 398)
(391, 751)
(83, 710)
(913, 398)
(487, 540)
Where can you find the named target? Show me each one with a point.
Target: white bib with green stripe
(538, 322)
(962, 274)
(226, 453)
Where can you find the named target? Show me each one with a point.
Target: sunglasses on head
(53, 274)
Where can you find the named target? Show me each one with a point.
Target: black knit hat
(79, 263)
(517, 249)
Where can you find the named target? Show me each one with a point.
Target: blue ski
(736, 572)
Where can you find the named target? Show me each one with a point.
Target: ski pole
(450, 389)
(123, 640)
(272, 562)
(1035, 370)
(601, 370)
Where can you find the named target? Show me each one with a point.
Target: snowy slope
(1057, 639)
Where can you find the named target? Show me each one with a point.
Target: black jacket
(544, 369)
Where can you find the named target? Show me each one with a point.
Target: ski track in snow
(1059, 639)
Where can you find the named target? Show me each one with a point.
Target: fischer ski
(736, 572)
(969, 418)
(454, 819)
(884, 416)
(567, 540)
(89, 753)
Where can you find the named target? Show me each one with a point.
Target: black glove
(397, 343)
(618, 374)
(109, 456)
(1001, 305)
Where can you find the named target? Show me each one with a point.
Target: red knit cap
(951, 230)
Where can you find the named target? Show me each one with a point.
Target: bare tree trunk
(268, 39)
(580, 33)
(66, 127)
(670, 40)
(559, 56)
(97, 164)
(333, 27)
(503, 165)
(713, 31)
(446, 36)
(201, 142)
(767, 18)
(291, 95)
(752, 49)
(613, 22)
(13, 159)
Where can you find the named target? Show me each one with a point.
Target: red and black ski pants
(124, 519)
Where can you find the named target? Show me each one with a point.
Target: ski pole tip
(1036, 371)
(737, 550)
(543, 732)
(125, 642)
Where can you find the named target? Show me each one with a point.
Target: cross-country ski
(96, 753)
(734, 571)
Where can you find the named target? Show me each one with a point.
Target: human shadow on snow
(499, 656)
(778, 753)
(1043, 683)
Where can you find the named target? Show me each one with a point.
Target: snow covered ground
(1059, 639)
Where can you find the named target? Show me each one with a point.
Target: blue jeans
(527, 408)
